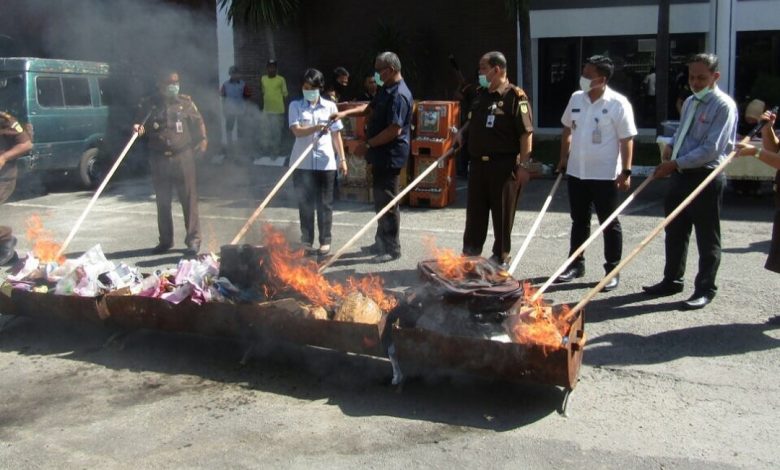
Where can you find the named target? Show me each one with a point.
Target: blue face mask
(172, 90)
(311, 95)
(378, 79)
(483, 81)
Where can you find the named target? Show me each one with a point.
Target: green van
(64, 102)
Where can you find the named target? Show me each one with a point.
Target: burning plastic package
(90, 275)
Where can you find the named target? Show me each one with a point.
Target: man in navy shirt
(386, 148)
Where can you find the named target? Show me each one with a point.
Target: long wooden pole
(385, 209)
(278, 186)
(669, 218)
(535, 226)
(99, 191)
(590, 239)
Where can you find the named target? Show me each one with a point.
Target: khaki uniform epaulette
(7, 117)
(185, 97)
(520, 92)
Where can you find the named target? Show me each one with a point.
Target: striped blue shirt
(712, 133)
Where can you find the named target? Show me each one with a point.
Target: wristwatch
(368, 146)
(626, 172)
(758, 152)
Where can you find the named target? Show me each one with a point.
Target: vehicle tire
(89, 169)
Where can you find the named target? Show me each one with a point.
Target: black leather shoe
(7, 252)
(612, 284)
(372, 249)
(663, 288)
(192, 249)
(697, 301)
(570, 274)
(385, 258)
(161, 248)
(501, 264)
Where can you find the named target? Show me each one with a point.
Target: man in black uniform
(500, 130)
(175, 130)
(386, 149)
(14, 142)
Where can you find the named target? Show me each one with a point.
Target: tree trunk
(269, 39)
(662, 65)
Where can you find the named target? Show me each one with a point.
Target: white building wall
(756, 15)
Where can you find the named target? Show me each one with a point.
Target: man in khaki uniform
(175, 130)
(14, 142)
(500, 130)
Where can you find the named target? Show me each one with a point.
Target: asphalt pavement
(659, 388)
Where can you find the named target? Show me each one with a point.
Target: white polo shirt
(611, 118)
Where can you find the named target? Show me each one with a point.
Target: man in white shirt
(596, 152)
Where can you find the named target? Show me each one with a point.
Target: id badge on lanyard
(596, 136)
(491, 120)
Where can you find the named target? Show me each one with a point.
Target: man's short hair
(389, 59)
(710, 60)
(314, 78)
(233, 69)
(603, 65)
(495, 59)
(340, 72)
(164, 76)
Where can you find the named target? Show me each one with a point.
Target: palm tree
(265, 14)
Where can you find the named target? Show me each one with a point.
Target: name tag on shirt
(179, 127)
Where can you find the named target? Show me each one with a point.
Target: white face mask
(585, 84)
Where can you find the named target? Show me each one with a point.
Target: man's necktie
(685, 127)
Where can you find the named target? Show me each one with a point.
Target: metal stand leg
(247, 354)
(564, 410)
(398, 376)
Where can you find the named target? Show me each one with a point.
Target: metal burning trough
(441, 324)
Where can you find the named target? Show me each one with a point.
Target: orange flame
(44, 246)
(292, 269)
(451, 264)
(535, 323)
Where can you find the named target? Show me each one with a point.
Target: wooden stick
(99, 191)
(278, 186)
(590, 239)
(385, 209)
(535, 226)
(669, 218)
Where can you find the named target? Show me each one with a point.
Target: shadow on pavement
(358, 385)
(700, 341)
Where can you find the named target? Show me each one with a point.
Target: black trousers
(702, 215)
(315, 195)
(773, 260)
(602, 195)
(169, 173)
(385, 188)
(492, 192)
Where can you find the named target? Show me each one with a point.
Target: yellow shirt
(274, 93)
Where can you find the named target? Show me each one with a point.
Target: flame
(44, 246)
(535, 322)
(452, 265)
(292, 269)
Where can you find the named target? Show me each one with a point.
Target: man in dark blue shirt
(386, 148)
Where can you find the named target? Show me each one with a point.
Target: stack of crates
(433, 138)
(356, 186)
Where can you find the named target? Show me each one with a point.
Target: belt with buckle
(485, 158)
